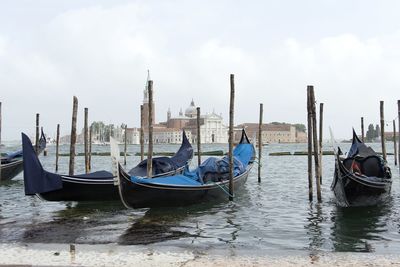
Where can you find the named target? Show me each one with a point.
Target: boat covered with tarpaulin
(95, 186)
(362, 178)
(208, 181)
(11, 164)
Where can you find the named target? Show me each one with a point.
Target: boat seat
(368, 166)
(372, 166)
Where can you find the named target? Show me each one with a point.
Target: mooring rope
(224, 190)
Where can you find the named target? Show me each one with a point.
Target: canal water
(270, 218)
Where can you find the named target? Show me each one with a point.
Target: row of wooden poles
(314, 146)
(315, 143)
(382, 133)
(88, 137)
(230, 134)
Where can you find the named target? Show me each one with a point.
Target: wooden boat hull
(82, 191)
(95, 186)
(10, 170)
(137, 195)
(351, 189)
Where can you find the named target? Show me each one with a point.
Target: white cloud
(101, 54)
(3, 46)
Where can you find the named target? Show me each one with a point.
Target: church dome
(191, 111)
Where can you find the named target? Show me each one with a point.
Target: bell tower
(146, 104)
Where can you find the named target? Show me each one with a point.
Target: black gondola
(362, 178)
(96, 186)
(11, 164)
(209, 181)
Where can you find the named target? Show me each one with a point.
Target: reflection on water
(314, 228)
(74, 224)
(354, 229)
(272, 217)
(157, 225)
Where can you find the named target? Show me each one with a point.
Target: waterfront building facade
(271, 133)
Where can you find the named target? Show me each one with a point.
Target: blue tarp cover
(36, 179)
(94, 175)
(243, 153)
(165, 164)
(358, 148)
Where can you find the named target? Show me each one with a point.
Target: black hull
(135, 195)
(95, 186)
(82, 192)
(351, 189)
(10, 170)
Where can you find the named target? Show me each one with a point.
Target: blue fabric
(169, 180)
(18, 154)
(94, 175)
(165, 164)
(36, 179)
(243, 154)
(358, 148)
(14, 155)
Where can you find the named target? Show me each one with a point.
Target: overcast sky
(100, 51)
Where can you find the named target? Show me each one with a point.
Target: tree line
(372, 133)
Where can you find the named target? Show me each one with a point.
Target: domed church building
(212, 129)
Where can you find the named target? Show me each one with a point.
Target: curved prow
(244, 139)
(355, 137)
(244, 151)
(42, 142)
(359, 148)
(185, 152)
(36, 179)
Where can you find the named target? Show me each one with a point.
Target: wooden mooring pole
(125, 144)
(85, 141)
(0, 141)
(141, 133)
(231, 116)
(45, 149)
(362, 129)
(321, 120)
(57, 145)
(260, 144)
(309, 141)
(150, 150)
(73, 136)
(398, 117)
(395, 142)
(37, 135)
(315, 143)
(198, 137)
(90, 147)
(382, 115)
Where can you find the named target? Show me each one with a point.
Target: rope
(256, 162)
(224, 190)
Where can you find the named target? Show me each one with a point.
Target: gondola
(11, 164)
(207, 182)
(362, 178)
(95, 186)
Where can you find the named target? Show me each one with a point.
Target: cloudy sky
(100, 51)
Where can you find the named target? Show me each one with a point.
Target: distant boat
(99, 143)
(11, 164)
(95, 186)
(209, 181)
(362, 178)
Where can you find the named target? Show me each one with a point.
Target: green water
(274, 217)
